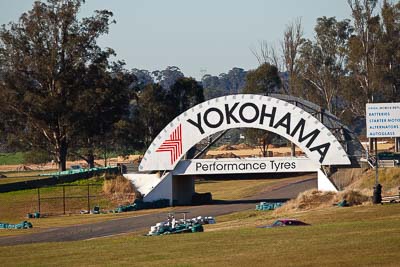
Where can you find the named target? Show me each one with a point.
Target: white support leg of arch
(324, 184)
(163, 190)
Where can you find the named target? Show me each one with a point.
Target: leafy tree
(263, 80)
(103, 102)
(143, 78)
(209, 81)
(166, 78)
(350, 93)
(45, 54)
(213, 92)
(363, 50)
(389, 50)
(151, 111)
(232, 82)
(322, 62)
(185, 93)
(127, 137)
(212, 87)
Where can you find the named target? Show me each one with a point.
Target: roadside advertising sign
(383, 120)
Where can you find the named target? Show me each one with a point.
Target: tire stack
(268, 205)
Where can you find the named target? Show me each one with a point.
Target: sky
(199, 37)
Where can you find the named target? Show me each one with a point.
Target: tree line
(60, 92)
(347, 64)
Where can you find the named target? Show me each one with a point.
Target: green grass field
(12, 158)
(357, 236)
(15, 205)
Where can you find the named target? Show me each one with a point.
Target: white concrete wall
(143, 182)
(324, 184)
(163, 190)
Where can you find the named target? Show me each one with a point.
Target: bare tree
(292, 41)
(285, 58)
(267, 54)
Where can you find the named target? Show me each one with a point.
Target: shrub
(314, 199)
(352, 197)
(120, 189)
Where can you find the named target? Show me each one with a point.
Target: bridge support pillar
(162, 190)
(371, 145)
(324, 183)
(182, 190)
(293, 149)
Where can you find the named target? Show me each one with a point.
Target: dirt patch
(225, 148)
(221, 156)
(243, 146)
(23, 168)
(128, 158)
(82, 163)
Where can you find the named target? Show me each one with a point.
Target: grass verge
(356, 236)
(389, 178)
(15, 205)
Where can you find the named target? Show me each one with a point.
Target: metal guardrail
(391, 199)
(371, 160)
(387, 163)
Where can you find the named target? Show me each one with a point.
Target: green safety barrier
(35, 215)
(22, 225)
(268, 205)
(68, 172)
(140, 204)
(343, 203)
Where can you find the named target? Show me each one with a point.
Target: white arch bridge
(326, 142)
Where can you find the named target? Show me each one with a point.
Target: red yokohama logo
(173, 145)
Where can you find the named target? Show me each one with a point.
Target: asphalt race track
(282, 191)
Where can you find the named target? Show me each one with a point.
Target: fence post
(63, 198)
(88, 197)
(38, 196)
